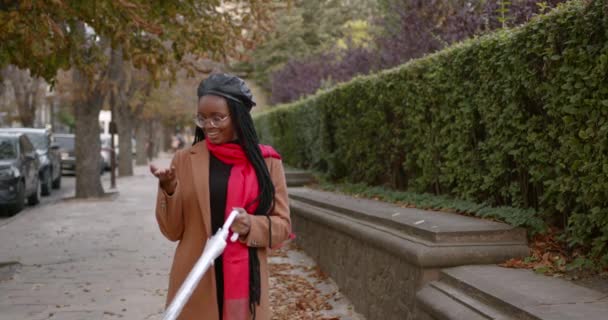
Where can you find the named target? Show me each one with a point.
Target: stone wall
(381, 255)
(370, 277)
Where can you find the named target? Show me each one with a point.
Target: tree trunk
(27, 94)
(141, 155)
(167, 134)
(88, 145)
(145, 145)
(157, 135)
(125, 132)
(119, 101)
(3, 75)
(89, 92)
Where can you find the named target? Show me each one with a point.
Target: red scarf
(242, 192)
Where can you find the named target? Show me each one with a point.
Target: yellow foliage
(356, 33)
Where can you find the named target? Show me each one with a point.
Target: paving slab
(103, 259)
(302, 291)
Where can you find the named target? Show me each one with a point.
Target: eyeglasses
(215, 120)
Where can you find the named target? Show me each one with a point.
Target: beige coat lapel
(199, 158)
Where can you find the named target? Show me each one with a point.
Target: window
(40, 140)
(26, 145)
(65, 143)
(8, 149)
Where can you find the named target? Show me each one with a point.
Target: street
(67, 190)
(74, 259)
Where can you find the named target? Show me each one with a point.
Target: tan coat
(185, 216)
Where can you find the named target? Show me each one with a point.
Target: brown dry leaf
(547, 254)
(292, 295)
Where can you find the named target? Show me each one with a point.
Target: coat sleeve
(169, 210)
(280, 223)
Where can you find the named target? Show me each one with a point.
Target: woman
(224, 169)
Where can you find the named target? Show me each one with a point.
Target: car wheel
(47, 183)
(19, 201)
(34, 199)
(57, 182)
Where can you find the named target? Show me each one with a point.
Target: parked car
(48, 152)
(19, 173)
(67, 143)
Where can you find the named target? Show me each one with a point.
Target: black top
(219, 173)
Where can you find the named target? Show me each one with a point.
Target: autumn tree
(298, 59)
(28, 92)
(302, 28)
(126, 83)
(173, 104)
(45, 36)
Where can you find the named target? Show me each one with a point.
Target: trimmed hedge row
(517, 118)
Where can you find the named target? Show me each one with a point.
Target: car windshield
(65, 143)
(8, 149)
(39, 140)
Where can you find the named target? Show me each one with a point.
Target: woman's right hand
(166, 177)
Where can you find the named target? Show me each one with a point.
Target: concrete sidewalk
(106, 259)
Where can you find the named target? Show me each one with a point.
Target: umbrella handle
(228, 223)
(234, 237)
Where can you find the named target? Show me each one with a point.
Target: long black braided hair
(248, 140)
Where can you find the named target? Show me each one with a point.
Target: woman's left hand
(242, 223)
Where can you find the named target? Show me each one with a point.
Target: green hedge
(517, 118)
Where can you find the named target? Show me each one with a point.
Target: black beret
(227, 86)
